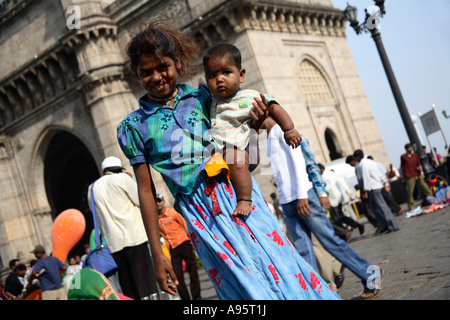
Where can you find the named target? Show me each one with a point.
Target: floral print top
(174, 141)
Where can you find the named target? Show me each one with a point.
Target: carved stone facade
(63, 91)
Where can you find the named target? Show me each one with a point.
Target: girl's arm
(147, 194)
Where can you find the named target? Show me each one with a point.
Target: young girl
(231, 119)
(246, 257)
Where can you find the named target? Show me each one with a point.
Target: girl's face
(223, 76)
(158, 76)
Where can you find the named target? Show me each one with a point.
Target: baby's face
(223, 77)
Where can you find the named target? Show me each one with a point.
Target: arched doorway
(332, 144)
(317, 92)
(69, 169)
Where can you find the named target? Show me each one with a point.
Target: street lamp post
(371, 24)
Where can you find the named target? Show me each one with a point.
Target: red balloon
(68, 228)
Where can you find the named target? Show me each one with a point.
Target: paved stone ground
(207, 288)
(415, 259)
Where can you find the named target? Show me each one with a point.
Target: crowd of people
(332, 194)
(42, 277)
(293, 247)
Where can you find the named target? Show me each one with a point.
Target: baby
(231, 118)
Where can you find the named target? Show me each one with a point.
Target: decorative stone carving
(212, 28)
(35, 87)
(14, 100)
(25, 95)
(6, 107)
(38, 85)
(45, 81)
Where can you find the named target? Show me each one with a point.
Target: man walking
(120, 222)
(373, 182)
(412, 173)
(365, 209)
(339, 194)
(303, 210)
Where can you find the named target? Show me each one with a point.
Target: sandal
(376, 292)
(339, 279)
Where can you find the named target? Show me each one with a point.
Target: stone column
(101, 67)
(102, 70)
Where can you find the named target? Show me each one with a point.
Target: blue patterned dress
(246, 258)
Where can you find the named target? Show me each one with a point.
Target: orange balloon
(68, 228)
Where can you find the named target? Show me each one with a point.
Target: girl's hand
(292, 138)
(163, 266)
(261, 112)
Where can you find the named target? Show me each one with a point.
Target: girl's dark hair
(162, 39)
(222, 49)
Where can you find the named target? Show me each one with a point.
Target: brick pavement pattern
(415, 260)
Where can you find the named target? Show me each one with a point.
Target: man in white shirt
(339, 194)
(304, 213)
(120, 223)
(374, 181)
(387, 195)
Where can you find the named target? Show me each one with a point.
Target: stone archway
(69, 169)
(333, 145)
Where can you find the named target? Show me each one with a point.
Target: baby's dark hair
(221, 50)
(162, 39)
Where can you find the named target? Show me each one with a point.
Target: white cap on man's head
(111, 162)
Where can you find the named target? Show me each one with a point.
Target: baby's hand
(261, 112)
(292, 138)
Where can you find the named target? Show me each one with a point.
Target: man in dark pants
(173, 228)
(388, 197)
(305, 214)
(413, 174)
(338, 194)
(373, 182)
(365, 210)
(120, 222)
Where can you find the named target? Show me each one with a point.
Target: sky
(416, 36)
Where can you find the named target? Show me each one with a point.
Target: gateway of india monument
(65, 84)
